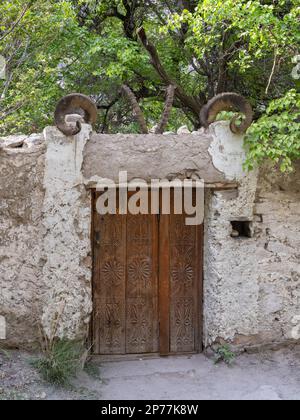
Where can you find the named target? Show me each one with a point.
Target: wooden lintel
(220, 186)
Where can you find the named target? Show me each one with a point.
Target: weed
(61, 358)
(224, 354)
(60, 362)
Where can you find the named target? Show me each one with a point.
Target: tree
(202, 47)
(42, 44)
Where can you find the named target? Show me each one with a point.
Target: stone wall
(251, 285)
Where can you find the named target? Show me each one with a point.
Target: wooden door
(146, 284)
(125, 319)
(180, 285)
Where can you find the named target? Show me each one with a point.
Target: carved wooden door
(146, 284)
(180, 285)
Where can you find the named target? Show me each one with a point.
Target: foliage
(60, 362)
(224, 354)
(44, 48)
(276, 134)
(232, 38)
(205, 47)
(61, 358)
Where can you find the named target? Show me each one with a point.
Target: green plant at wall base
(60, 363)
(276, 135)
(224, 354)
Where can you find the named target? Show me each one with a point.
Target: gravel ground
(261, 376)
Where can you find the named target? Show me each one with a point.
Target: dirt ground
(261, 376)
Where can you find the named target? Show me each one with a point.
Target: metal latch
(97, 238)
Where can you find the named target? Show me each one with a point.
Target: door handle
(97, 238)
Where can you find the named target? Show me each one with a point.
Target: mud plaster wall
(251, 285)
(66, 225)
(214, 155)
(45, 253)
(21, 200)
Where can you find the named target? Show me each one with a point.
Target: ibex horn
(69, 104)
(228, 102)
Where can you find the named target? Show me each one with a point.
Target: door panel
(109, 284)
(142, 285)
(180, 284)
(125, 284)
(164, 285)
(183, 285)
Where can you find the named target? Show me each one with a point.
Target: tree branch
(136, 109)
(115, 13)
(167, 110)
(188, 101)
(107, 109)
(272, 72)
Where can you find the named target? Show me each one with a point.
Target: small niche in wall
(241, 229)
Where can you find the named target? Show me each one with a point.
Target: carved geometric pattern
(139, 322)
(139, 274)
(183, 320)
(112, 324)
(185, 252)
(183, 276)
(182, 234)
(111, 232)
(138, 230)
(112, 272)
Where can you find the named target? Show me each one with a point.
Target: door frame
(163, 291)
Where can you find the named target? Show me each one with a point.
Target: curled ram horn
(228, 102)
(70, 104)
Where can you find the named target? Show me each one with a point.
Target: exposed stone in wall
(277, 230)
(21, 200)
(252, 285)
